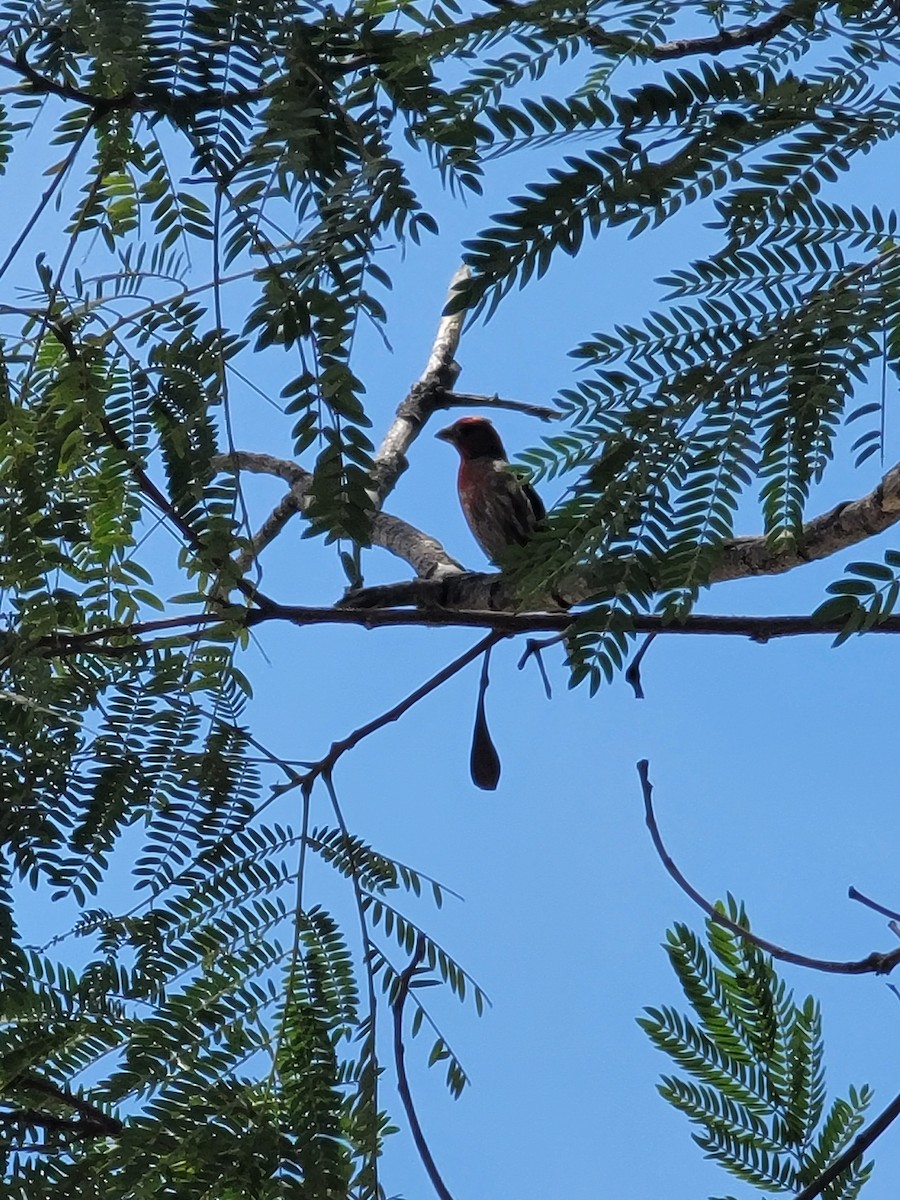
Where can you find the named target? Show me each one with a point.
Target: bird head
(474, 437)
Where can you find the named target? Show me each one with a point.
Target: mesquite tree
(233, 179)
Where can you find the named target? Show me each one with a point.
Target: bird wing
(535, 502)
(525, 510)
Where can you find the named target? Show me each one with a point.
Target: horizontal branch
(505, 15)
(457, 399)
(443, 583)
(142, 636)
(150, 99)
(262, 464)
(739, 558)
(718, 43)
(35, 1118)
(92, 1121)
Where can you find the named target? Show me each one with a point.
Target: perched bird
(502, 509)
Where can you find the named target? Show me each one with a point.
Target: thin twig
(326, 765)
(367, 943)
(403, 984)
(456, 399)
(294, 502)
(877, 963)
(856, 1148)
(633, 673)
(58, 177)
(856, 894)
(146, 485)
(534, 648)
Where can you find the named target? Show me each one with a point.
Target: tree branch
(855, 894)
(855, 1150)
(719, 43)
(423, 553)
(262, 464)
(533, 13)
(844, 526)
(325, 766)
(740, 558)
(472, 400)
(404, 980)
(152, 99)
(424, 397)
(92, 1122)
(111, 639)
(877, 962)
(64, 334)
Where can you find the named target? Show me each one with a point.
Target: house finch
(502, 509)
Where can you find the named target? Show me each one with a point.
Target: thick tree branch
(424, 397)
(844, 526)
(741, 558)
(877, 962)
(425, 554)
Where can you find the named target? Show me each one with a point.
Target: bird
(502, 509)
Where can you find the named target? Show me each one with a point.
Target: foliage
(231, 178)
(753, 1061)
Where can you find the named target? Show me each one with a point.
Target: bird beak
(447, 435)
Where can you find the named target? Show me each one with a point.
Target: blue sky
(773, 766)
